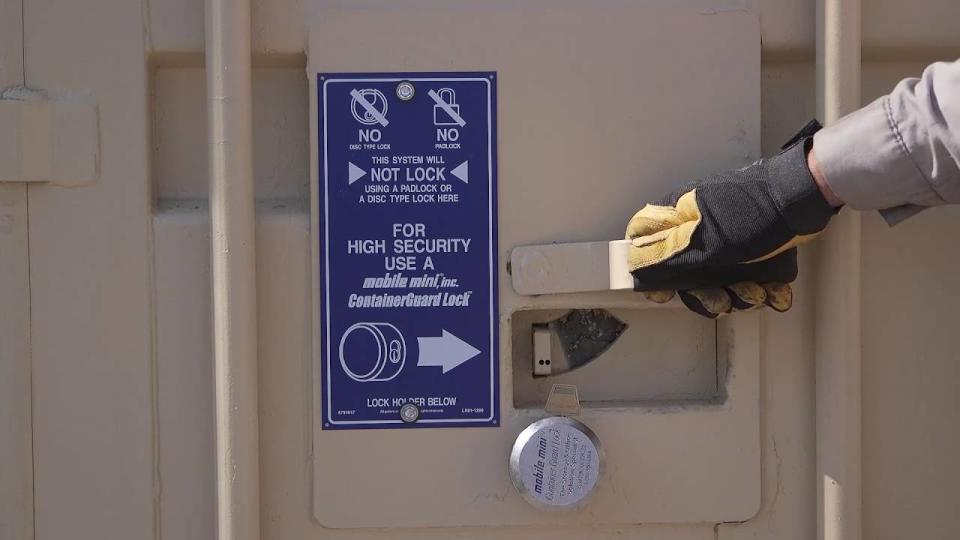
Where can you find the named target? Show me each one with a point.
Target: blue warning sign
(408, 250)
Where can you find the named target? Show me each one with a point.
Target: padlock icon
(441, 113)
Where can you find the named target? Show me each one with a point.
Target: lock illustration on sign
(441, 114)
(372, 352)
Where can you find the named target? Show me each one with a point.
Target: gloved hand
(727, 242)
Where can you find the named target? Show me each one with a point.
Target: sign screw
(405, 90)
(409, 413)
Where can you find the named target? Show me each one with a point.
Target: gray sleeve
(900, 153)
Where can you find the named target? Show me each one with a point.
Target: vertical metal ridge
(838, 309)
(233, 267)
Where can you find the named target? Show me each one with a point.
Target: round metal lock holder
(556, 462)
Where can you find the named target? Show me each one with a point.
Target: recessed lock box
(661, 356)
(586, 119)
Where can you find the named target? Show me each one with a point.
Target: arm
(727, 242)
(900, 153)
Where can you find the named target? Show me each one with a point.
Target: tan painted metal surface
(565, 103)
(570, 268)
(16, 444)
(838, 326)
(117, 300)
(48, 138)
(16, 431)
(233, 269)
(91, 292)
(911, 364)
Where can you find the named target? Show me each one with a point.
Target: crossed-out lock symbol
(441, 117)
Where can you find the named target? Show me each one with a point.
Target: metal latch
(48, 138)
(556, 462)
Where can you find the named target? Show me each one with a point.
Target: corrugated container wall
(107, 423)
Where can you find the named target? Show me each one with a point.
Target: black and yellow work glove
(727, 242)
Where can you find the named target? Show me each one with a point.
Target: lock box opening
(662, 357)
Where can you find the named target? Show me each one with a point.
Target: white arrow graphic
(447, 351)
(462, 172)
(354, 173)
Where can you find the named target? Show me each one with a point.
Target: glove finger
(747, 295)
(710, 302)
(779, 296)
(660, 297)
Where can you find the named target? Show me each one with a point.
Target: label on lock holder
(556, 463)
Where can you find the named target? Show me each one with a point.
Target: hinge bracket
(47, 138)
